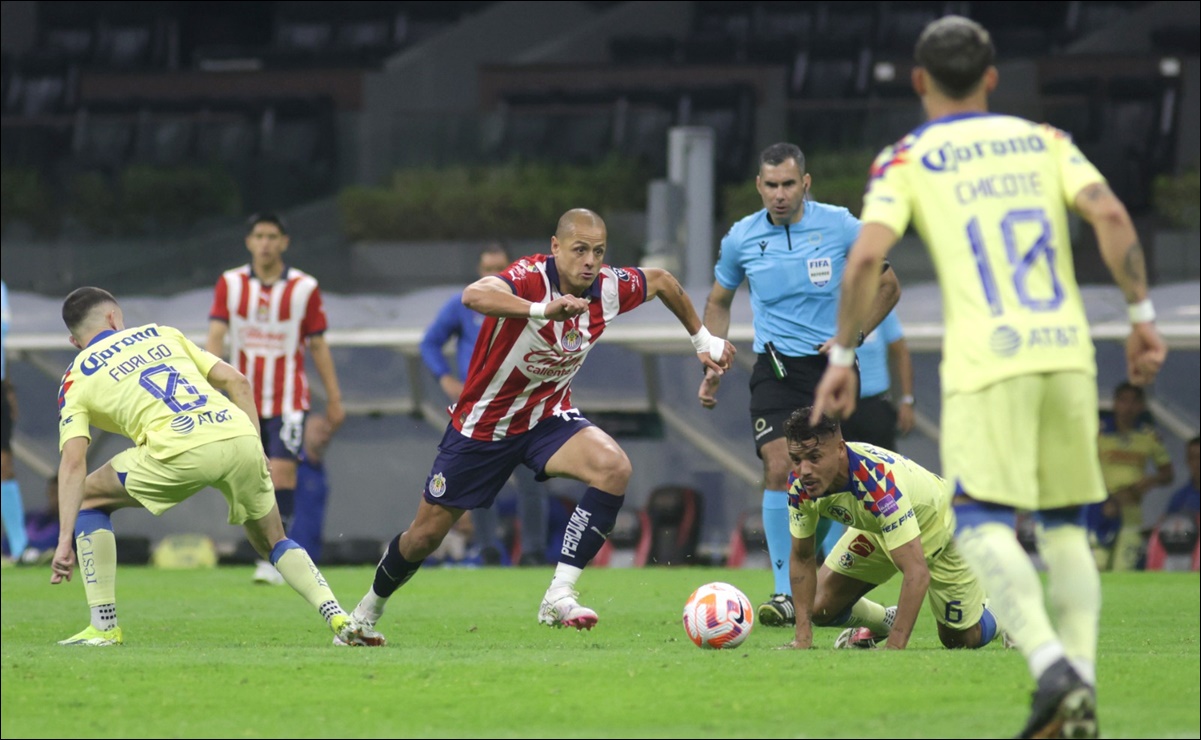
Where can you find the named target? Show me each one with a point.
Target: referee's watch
(862, 337)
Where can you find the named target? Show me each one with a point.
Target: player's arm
(802, 574)
(1123, 255)
(838, 390)
(915, 580)
(492, 296)
(435, 338)
(717, 319)
(215, 343)
(902, 369)
(225, 378)
(323, 360)
(887, 295)
(714, 352)
(72, 472)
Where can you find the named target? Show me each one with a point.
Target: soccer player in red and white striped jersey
(543, 314)
(270, 312)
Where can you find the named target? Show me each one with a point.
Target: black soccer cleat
(777, 611)
(1062, 706)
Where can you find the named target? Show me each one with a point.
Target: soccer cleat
(777, 611)
(266, 574)
(352, 632)
(563, 610)
(93, 637)
(1062, 706)
(858, 638)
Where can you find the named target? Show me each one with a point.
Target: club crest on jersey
(572, 339)
(820, 271)
(840, 514)
(847, 561)
(437, 486)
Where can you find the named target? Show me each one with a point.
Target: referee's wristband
(1142, 312)
(537, 310)
(841, 356)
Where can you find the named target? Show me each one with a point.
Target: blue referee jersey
(794, 272)
(874, 378)
(454, 320)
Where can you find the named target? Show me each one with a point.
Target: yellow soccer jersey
(987, 193)
(1125, 457)
(147, 383)
(888, 494)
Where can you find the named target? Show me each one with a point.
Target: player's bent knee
(954, 639)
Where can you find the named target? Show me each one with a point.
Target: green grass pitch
(209, 655)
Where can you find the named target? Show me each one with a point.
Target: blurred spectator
(11, 506)
(1187, 499)
(41, 529)
(312, 488)
(1128, 446)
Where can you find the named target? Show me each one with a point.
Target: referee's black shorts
(774, 399)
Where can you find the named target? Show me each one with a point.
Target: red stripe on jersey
(244, 299)
(485, 362)
(285, 303)
(497, 411)
(277, 386)
(260, 364)
(242, 362)
(521, 419)
(300, 389)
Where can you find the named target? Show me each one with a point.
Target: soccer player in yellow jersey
(898, 517)
(153, 385)
(988, 194)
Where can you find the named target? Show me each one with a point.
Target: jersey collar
(283, 276)
(552, 272)
(102, 335)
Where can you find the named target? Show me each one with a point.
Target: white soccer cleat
(266, 574)
(350, 631)
(858, 638)
(562, 610)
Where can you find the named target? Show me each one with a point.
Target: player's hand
(836, 394)
(708, 391)
(798, 644)
(824, 347)
(63, 563)
(718, 366)
(1145, 353)
(335, 414)
(905, 418)
(566, 307)
(451, 386)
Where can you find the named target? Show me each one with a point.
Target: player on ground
(153, 385)
(898, 517)
(987, 193)
(271, 311)
(544, 314)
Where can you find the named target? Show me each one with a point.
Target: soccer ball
(717, 616)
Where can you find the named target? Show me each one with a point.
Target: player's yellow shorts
(1029, 442)
(235, 467)
(955, 597)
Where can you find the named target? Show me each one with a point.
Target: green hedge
(511, 201)
(1177, 199)
(839, 178)
(25, 197)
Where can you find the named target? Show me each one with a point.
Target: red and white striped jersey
(521, 369)
(268, 326)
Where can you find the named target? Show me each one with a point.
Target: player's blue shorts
(468, 473)
(283, 435)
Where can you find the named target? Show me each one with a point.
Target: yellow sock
(302, 575)
(1014, 590)
(869, 614)
(1075, 594)
(97, 555)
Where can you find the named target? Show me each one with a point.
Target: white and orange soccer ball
(717, 616)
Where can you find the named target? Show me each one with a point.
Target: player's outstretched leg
(868, 625)
(778, 610)
(586, 531)
(96, 552)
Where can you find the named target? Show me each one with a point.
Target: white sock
(565, 577)
(104, 617)
(890, 617)
(1042, 657)
(371, 607)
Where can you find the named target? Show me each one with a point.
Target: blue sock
(779, 538)
(14, 517)
(988, 627)
(393, 570)
(90, 520)
(589, 525)
(281, 547)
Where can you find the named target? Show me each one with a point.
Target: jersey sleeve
(445, 326)
(802, 514)
(205, 361)
(728, 271)
(523, 277)
(314, 321)
(850, 227)
(72, 413)
(631, 288)
(888, 200)
(1075, 171)
(898, 521)
(220, 308)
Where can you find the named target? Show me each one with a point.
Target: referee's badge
(820, 271)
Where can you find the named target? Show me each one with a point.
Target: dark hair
(798, 428)
(956, 52)
(1126, 386)
(494, 248)
(266, 218)
(80, 303)
(778, 154)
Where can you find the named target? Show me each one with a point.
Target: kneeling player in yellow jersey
(899, 519)
(153, 385)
